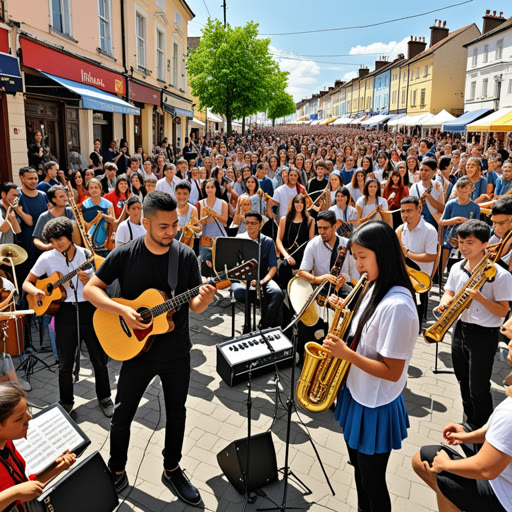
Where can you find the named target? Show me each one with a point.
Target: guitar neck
(184, 297)
(73, 273)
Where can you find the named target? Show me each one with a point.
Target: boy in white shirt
(475, 339)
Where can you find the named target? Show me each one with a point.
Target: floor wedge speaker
(262, 462)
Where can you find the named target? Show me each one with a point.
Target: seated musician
(63, 258)
(319, 258)
(272, 300)
(17, 491)
(419, 241)
(482, 480)
(132, 227)
(475, 339)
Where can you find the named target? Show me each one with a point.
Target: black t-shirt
(137, 270)
(316, 186)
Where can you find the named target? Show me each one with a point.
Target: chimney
(363, 72)
(338, 83)
(415, 47)
(491, 21)
(438, 32)
(381, 63)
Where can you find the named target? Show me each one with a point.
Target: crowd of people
(325, 206)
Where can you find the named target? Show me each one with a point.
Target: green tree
(281, 105)
(232, 71)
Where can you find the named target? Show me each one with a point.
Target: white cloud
(348, 76)
(392, 48)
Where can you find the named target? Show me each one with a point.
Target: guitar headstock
(242, 270)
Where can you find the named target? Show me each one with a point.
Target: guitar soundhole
(146, 315)
(49, 289)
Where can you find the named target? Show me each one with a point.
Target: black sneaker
(67, 407)
(120, 481)
(181, 485)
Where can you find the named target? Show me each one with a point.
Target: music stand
(230, 252)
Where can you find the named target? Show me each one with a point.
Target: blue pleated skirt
(372, 430)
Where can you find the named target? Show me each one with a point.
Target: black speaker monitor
(262, 462)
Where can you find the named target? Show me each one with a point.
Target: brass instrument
(322, 374)
(84, 234)
(483, 272)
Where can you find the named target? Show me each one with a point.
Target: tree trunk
(228, 129)
(273, 122)
(243, 125)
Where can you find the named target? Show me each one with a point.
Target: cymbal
(13, 251)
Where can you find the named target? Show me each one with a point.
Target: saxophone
(86, 238)
(323, 374)
(484, 271)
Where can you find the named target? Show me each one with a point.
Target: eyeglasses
(251, 223)
(502, 223)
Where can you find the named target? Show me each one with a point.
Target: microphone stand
(76, 371)
(290, 405)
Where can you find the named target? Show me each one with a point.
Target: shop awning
(491, 122)
(10, 76)
(375, 120)
(398, 120)
(93, 98)
(359, 120)
(459, 124)
(176, 111)
(214, 118)
(417, 120)
(438, 120)
(196, 123)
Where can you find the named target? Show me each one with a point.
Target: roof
(439, 44)
(500, 28)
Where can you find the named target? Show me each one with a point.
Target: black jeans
(66, 341)
(370, 476)
(134, 378)
(473, 351)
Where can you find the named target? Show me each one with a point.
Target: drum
(299, 291)
(14, 341)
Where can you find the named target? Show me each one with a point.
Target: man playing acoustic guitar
(151, 262)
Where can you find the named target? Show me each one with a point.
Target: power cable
(366, 26)
(207, 10)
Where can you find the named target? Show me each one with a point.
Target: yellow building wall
(419, 83)
(17, 134)
(368, 104)
(394, 89)
(404, 84)
(355, 97)
(348, 100)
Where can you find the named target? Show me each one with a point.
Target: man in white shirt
(433, 206)
(169, 182)
(284, 193)
(419, 241)
(132, 227)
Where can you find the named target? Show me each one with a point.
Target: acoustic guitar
(121, 343)
(54, 291)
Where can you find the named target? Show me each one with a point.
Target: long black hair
(379, 237)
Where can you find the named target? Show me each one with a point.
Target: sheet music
(48, 437)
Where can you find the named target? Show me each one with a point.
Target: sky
(316, 60)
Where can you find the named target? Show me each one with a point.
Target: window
(175, 64)
(510, 86)
(425, 72)
(386, 99)
(160, 5)
(177, 18)
(475, 57)
(472, 91)
(393, 97)
(412, 74)
(104, 15)
(140, 34)
(386, 81)
(499, 49)
(404, 77)
(368, 102)
(160, 55)
(413, 99)
(422, 97)
(61, 16)
(485, 83)
(486, 53)
(403, 96)
(418, 72)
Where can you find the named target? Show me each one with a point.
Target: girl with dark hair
(407, 177)
(299, 165)
(382, 166)
(334, 185)
(138, 188)
(77, 182)
(413, 166)
(356, 187)
(119, 195)
(17, 491)
(310, 169)
(346, 215)
(394, 192)
(295, 229)
(273, 165)
(370, 407)
(370, 201)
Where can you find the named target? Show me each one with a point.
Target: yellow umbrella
(504, 124)
(488, 123)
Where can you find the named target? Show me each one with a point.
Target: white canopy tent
(418, 120)
(398, 120)
(438, 120)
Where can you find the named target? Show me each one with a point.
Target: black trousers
(66, 341)
(370, 476)
(134, 378)
(473, 351)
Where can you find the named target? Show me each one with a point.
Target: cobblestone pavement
(216, 415)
